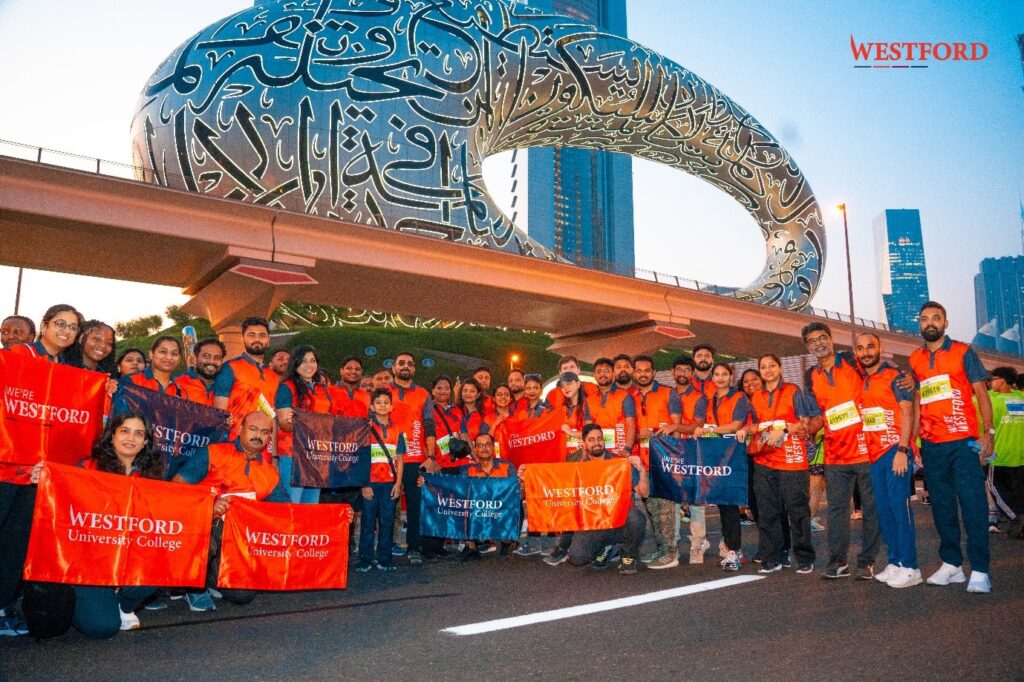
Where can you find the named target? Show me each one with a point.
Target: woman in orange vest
(164, 358)
(725, 413)
(299, 389)
(471, 402)
(577, 413)
(504, 407)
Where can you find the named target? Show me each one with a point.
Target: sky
(946, 140)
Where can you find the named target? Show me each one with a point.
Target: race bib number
(936, 388)
(842, 416)
(573, 443)
(263, 405)
(610, 441)
(874, 419)
(777, 425)
(444, 444)
(377, 454)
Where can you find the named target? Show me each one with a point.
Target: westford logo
(484, 509)
(306, 545)
(913, 55)
(574, 496)
(331, 451)
(673, 465)
(21, 402)
(188, 442)
(91, 527)
(533, 439)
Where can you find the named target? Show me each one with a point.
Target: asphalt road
(388, 627)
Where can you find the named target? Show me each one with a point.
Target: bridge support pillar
(242, 287)
(644, 338)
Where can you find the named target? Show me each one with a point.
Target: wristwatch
(991, 431)
(903, 448)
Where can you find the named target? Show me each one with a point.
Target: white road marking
(597, 607)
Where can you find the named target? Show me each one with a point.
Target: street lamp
(512, 361)
(849, 277)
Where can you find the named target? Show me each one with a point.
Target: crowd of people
(857, 421)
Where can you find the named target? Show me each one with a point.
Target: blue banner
(180, 427)
(699, 470)
(470, 508)
(329, 451)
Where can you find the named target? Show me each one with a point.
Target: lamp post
(512, 361)
(849, 278)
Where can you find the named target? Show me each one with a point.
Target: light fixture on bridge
(513, 359)
(849, 276)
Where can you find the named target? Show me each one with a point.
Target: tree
(140, 326)
(177, 315)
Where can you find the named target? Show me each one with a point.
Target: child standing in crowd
(387, 446)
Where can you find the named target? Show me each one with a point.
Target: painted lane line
(597, 607)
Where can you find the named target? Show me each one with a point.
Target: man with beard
(888, 414)
(516, 383)
(243, 384)
(613, 409)
(622, 368)
(703, 361)
(682, 371)
(658, 413)
(413, 415)
(836, 384)
(347, 397)
(279, 362)
(235, 468)
(196, 384)
(949, 372)
(597, 547)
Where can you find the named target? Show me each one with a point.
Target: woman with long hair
(164, 357)
(129, 361)
(94, 348)
(577, 412)
(299, 389)
(471, 402)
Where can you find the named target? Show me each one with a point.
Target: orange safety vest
(838, 392)
(769, 408)
(945, 393)
(317, 400)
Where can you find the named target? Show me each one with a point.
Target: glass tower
(999, 299)
(581, 200)
(902, 275)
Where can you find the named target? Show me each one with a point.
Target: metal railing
(126, 171)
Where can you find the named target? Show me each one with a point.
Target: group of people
(874, 422)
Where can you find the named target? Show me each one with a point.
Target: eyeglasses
(535, 377)
(815, 340)
(62, 325)
(484, 446)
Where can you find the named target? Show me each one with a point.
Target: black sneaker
(604, 559)
(505, 550)
(805, 569)
(470, 554)
(865, 572)
(836, 571)
(628, 566)
(785, 560)
(769, 567)
(556, 557)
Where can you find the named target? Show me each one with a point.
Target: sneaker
(731, 562)
(805, 569)
(175, 594)
(487, 548)
(905, 577)
(650, 557)
(816, 526)
(865, 572)
(769, 567)
(129, 621)
(398, 550)
(887, 573)
(605, 558)
(200, 601)
(947, 573)
(744, 521)
(993, 527)
(835, 571)
(415, 558)
(697, 552)
(785, 560)
(12, 624)
(670, 560)
(980, 583)
(364, 568)
(526, 549)
(156, 604)
(857, 515)
(628, 566)
(215, 593)
(558, 556)
(386, 568)
(470, 554)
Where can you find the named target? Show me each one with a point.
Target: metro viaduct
(236, 260)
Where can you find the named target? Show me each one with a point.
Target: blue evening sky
(946, 140)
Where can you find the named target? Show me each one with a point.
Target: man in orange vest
(613, 409)
(243, 383)
(953, 449)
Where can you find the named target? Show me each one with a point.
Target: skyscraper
(902, 276)
(999, 300)
(581, 200)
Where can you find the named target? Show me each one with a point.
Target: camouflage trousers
(665, 522)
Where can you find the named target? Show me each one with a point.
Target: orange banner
(532, 440)
(575, 496)
(49, 411)
(271, 546)
(95, 528)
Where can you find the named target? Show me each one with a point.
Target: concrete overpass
(237, 259)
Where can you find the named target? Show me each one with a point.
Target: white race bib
(874, 419)
(609, 439)
(936, 388)
(842, 416)
(377, 454)
(444, 444)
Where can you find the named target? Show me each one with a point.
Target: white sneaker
(670, 560)
(980, 583)
(905, 577)
(697, 552)
(947, 573)
(129, 621)
(731, 562)
(887, 574)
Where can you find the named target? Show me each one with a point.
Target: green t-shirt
(1008, 418)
